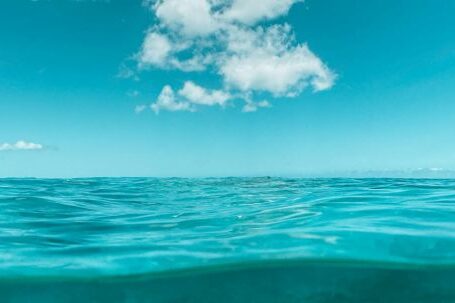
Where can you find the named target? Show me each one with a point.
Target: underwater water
(227, 240)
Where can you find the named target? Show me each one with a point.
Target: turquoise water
(227, 240)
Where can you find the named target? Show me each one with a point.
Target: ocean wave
(125, 226)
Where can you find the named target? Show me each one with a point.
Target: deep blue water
(227, 240)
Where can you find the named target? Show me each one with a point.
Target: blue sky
(371, 88)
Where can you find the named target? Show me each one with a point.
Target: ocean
(227, 240)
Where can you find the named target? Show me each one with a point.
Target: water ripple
(132, 225)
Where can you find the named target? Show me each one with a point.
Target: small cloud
(191, 17)
(156, 49)
(167, 100)
(436, 169)
(21, 145)
(188, 98)
(251, 106)
(126, 72)
(133, 93)
(199, 95)
(140, 108)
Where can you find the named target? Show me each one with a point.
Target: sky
(198, 88)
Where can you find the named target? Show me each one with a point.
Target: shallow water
(227, 240)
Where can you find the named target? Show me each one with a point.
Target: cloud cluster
(20, 145)
(235, 40)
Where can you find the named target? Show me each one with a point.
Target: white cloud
(167, 101)
(226, 38)
(283, 74)
(196, 63)
(190, 17)
(266, 60)
(20, 145)
(199, 95)
(252, 11)
(155, 49)
(158, 50)
(187, 98)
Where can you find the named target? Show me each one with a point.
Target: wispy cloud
(21, 145)
(229, 39)
(140, 108)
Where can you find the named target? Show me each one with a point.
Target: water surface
(231, 239)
